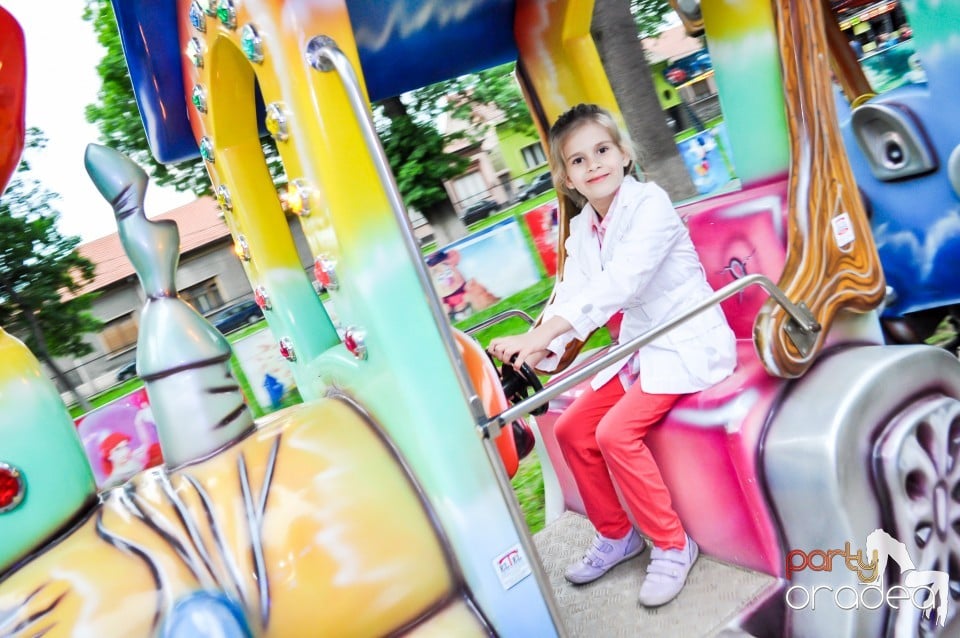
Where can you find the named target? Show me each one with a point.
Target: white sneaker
(667, 573)
(603, 555)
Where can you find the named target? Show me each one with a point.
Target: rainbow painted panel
(40, 443)
(559, 55)
(746, 61)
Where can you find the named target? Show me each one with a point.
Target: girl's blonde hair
(569, 122)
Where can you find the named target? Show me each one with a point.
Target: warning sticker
(512, 566)
(843, 230)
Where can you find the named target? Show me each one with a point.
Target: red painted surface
(13, 76)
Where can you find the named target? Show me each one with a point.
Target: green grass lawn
(130, 385)
(528, 488)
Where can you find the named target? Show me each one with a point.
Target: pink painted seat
(707, 446)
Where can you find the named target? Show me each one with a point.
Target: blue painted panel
(916, 220)
(148, 32)
(403, 45)
(407, 44)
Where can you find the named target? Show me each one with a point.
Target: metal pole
(804, 320)
(324, 55)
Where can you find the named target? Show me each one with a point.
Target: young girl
(630, 266)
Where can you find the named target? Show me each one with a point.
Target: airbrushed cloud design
(408, 17)
(924, 253)
(740, 55)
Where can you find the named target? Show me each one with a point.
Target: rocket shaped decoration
(182, 359)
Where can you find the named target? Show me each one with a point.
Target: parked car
(479, 210)
(128, 371)
(539, 184)
(236, 316)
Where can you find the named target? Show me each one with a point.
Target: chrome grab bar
(323, 54)
(497, 318)
(803, 320)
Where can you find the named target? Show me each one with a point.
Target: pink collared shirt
(630, 371)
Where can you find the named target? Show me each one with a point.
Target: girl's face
(594, 164)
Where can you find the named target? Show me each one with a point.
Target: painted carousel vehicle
(381, 506)
(904, 150)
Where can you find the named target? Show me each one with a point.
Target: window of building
(204, 296)
(533, 155)
(120, 333)
(469, 188)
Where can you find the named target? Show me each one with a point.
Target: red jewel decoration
(354, 342)
(260, 296)
(11, 487)
(286, 349)
(320, 272)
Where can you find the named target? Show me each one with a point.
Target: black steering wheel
(517, 384)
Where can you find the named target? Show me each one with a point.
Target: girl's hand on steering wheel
(529, 348)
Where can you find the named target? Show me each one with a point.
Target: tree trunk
(44, 355)
(65, 382)
(442, 217)
(621, 53)
(446, 226)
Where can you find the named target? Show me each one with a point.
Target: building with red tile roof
(209, 276)
(200, 223)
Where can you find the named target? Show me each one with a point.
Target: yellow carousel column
(559, 57)
(224, 63)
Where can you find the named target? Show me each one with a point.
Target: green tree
(116, 103)
(649, 15)
(461, 97)
(420, 164)
(416, 149)
(41, 274)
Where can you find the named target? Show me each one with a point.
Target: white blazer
(648, 268)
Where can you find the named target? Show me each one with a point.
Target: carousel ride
(382, 505)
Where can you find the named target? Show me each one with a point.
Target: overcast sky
(62, 54)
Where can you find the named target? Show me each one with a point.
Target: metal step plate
(716, 593)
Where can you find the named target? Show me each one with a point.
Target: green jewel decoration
(199, 98)
(251, 44)
(206, 149)
(227, 13)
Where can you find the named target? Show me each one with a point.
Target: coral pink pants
(601, 433)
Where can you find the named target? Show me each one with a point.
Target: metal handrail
(497, 318)
(804, 321)
(324, 55)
